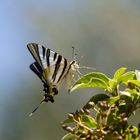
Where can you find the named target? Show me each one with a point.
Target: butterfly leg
(48, 98)
(78, 73)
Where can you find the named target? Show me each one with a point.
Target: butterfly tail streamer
(36, 108)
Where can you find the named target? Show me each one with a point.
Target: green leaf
(110, 119)
(127, 76)
(135, 82)
(112, 85)
(136, 132)
(99, 97)
(119, 72)
(88, 121)
(99, 75)
(67, 121)
(68, 136)
(94, 82)
(134, 135)
(94, 79)
(112, 100)
(96, 98)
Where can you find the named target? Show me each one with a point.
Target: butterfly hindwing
(35, 67)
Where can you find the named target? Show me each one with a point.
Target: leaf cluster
(105, 116)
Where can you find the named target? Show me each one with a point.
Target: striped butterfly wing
(49, 66)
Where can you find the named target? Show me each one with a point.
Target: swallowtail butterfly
(52, 69)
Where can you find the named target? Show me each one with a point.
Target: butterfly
(52, 69)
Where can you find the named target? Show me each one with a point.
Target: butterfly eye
(54, 89)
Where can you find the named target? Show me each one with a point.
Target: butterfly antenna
(73, 51)
(36, 108)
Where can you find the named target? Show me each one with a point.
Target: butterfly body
(52, 69)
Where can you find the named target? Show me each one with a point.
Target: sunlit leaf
(135, 82)
(88, 121)
(112, 100)
(99, 75)
(67, 121)
(93, 82)
(94, 79)
(127, 76)
(112, 85)
(68, 136)
(119, 72)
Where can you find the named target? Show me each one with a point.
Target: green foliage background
(106, 115)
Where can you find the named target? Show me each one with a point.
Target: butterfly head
(74, 66)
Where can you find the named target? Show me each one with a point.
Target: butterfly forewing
(49, 64)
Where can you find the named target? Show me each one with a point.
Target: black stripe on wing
(36, 68)
(43, 51)
(34, 50)
(55, 54)
(57, 65)
(63, 71)
(48, 57)
(44, 56)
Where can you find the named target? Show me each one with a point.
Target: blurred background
(105, 33)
